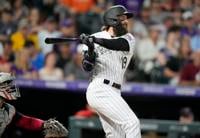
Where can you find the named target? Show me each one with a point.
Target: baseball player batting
(108, 55)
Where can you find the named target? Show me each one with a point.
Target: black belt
(115, 85)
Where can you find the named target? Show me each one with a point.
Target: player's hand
(54, 129)
(87, 40)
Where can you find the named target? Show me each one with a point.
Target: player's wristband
(87, 65)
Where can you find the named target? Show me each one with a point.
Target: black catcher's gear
(8, 89)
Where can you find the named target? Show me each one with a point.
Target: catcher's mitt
(54, 129)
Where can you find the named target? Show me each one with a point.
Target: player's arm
(50, 128)
(27, 122)
(119, 44)
(89, 56)
(88, 61)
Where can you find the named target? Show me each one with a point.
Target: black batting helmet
(110, 17)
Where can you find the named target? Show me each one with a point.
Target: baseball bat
(50, 40)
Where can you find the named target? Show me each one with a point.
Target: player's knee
(136, 123)
(133, 125)
(132, 129)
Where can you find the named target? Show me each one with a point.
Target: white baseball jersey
(112, 64)
(117, 118)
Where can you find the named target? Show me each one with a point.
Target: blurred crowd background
(167, 35)
(167, 51)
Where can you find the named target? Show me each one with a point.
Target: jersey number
(124, 61)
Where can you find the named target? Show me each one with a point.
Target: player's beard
(120, 30)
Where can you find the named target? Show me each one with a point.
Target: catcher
(9, 117)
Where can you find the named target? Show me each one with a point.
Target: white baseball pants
(117, 118)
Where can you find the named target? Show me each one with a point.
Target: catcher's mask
(8, 88)
(110, 17)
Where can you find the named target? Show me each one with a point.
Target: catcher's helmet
(8, 89)
(110, 17)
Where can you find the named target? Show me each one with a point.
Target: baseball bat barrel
(49, 40)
